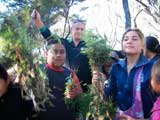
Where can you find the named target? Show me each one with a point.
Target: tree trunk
(127, 14)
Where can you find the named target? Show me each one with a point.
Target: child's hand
(96, 76)
(72, 94)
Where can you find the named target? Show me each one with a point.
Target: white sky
(2, 7)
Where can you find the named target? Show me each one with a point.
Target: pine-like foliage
(18, 46)
(97, 49)
(91, 104)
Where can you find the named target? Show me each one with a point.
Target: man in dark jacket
(75, 59)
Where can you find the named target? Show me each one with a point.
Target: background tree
(127, 14)
(152, 7)
(51, 10)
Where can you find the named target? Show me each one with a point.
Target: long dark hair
(152, 44)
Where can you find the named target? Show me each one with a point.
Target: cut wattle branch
(101, 79)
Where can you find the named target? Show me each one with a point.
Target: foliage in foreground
(91, 104)
(18, 46)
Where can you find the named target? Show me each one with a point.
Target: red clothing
(57, 81)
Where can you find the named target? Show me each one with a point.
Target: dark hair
(156, 71)
(138, 31)
(54, 40)
(3, 73)
(152, 44)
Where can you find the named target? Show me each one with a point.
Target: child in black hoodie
(12, 104)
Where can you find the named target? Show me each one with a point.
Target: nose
(129, 40)
(58, 54)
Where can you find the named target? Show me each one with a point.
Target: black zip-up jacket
(14, 107)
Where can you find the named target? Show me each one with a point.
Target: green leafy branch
(20, 46)
(97, 49)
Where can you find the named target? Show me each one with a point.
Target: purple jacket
(156, 110)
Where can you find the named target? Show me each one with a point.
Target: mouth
(58, 60)
(129, 47)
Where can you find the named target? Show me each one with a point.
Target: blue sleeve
(111, 89)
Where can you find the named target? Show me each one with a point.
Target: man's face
(77, 30)
(56, 55)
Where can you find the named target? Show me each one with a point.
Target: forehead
(57, 46)
(131, 34)
(79, 24)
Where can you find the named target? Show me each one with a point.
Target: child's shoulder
(156, 106)
(15, 89)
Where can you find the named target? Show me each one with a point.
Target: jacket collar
(81, 43)
(54, 68)
(141, 62)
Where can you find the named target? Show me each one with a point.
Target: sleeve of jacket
(110, 89)
(46, 33)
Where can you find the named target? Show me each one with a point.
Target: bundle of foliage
(97, 49)
(18, 46)
(91, 104)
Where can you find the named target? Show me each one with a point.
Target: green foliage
(91, 104)
(97, 50)
(18, 46)
(100, 107)
(49, 9)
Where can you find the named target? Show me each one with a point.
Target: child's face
(132, 43)
(56, 55)
(155, 85)
(3, 86)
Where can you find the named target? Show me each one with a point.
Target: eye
(134, 39)
(77, 28)
(125, 39)
(82, 29)
(62, 52)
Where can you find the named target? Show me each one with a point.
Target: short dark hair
(3, 73)
(54, 40)
(152, 44)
